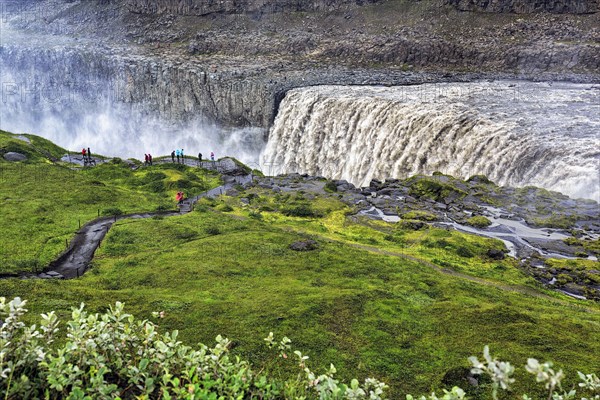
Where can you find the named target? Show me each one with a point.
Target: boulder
(304, 245)
(495, 254)
(13, 156)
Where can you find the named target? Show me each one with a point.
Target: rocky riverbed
(546, 231)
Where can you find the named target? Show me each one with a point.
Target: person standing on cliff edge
(173, 156)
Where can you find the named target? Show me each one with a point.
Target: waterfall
(119, 103)
(515, 133)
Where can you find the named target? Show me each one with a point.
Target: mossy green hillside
(44, 202)
(368, 312)
(376, 299)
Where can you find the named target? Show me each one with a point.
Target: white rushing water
(82, 105)
(516, 133)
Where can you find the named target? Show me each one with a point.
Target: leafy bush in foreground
(113, 355)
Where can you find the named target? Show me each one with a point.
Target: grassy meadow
(375, 299)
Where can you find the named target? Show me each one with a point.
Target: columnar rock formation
(203, 7)
(528, 6)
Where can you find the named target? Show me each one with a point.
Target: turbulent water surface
(516, 133)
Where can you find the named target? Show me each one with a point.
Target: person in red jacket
(179, 197)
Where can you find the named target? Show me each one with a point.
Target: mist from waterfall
(75, 119)
(516, 133)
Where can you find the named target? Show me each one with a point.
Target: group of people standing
(148, 159)
(87, 154)
(87, 157)
(179, 154)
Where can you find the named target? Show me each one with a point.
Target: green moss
(479, 221)
(372, 299)
(420, 215)
(432, 188)
(330, 187)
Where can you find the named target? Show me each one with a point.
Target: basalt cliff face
(528, 6)
(204, 7)
(233, 61)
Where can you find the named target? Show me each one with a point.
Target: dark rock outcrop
(304, 245)
(204, 7)
(13, 156)
(528, 6)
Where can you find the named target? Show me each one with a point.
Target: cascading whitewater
(79, 94)
(516, 133)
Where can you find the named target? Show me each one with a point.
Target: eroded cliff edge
(232, 61)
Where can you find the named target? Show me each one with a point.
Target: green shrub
(183, 184)
(114, 355)
(112, 211)
(479, 221)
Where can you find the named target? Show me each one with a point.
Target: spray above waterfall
(78, 95)
(516, 133)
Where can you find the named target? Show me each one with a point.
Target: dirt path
(76, 260)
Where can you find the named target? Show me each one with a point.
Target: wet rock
(304, 245)
(228, 166)
(495, 254)
(412, 225)
(14, 156)
(245, 200)
(574, 288)
(375, 184)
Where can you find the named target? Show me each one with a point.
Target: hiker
(150, 158)
(177, 154)
(173, 156)
(212, 156)
(182, 157)
(145, 159)
(89, 154)
(199, 156)
(83, 153)
(179, 197)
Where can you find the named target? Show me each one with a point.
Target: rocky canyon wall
(174, 91)
(203, 7)
(528, 6)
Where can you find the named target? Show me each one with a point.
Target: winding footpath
(75, 261)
